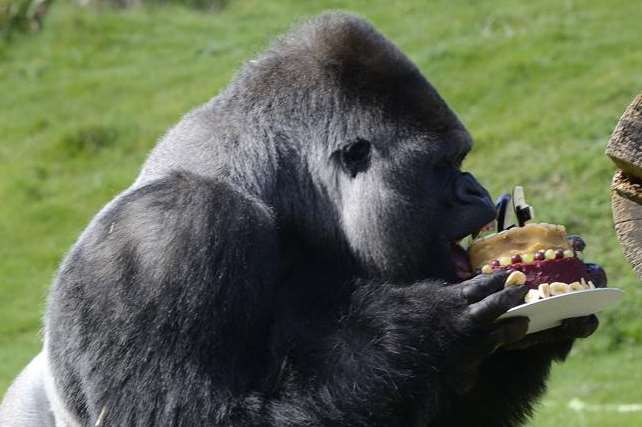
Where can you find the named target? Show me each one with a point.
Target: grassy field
(539, 84)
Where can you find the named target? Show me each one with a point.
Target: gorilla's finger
(597, 274)
(507, 332)
(510, 330)
(576, 242)
(580, 327)
(493, 306)
(482, 285)
(548, 336)
(501, 334)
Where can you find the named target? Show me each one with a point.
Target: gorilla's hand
(474, 307)
(578, 327)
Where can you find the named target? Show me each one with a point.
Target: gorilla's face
(403, 200)
(396, 183)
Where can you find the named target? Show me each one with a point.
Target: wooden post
(625, 149)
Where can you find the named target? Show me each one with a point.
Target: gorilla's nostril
(476, 192)
(469, 190)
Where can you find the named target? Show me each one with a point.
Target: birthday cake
(540, 255)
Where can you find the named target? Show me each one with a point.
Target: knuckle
(479, 280)
(455, 292)
(506, 296)
(465, 292)
(510, 297)
(498, 276)
(470, 315)
(517, 292)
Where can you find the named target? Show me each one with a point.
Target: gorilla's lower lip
(459, 252)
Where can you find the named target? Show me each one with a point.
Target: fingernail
(521, 289)
(502, 272)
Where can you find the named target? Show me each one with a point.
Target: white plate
(549, 312)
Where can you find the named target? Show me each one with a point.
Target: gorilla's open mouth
(459, 251)
(461, 262)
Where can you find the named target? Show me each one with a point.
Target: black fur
(282, 261)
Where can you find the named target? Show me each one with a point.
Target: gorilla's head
(365, 153)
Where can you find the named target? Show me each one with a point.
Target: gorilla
(285, 258)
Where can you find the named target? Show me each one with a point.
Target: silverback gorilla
(285, 259)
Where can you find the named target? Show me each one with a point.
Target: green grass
(539, 84)
(605, 384)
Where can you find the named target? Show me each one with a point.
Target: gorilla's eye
(355, 157)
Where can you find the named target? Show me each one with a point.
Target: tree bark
(625, 149)
(627, 216)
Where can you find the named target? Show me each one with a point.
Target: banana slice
(558, 288)
(532, 295)
(544, 290)
(575, 286)
(516, 278)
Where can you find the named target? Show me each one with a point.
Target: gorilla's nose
(469, 191)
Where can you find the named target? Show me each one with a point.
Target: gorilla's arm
(160, 314)
(400, 349)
